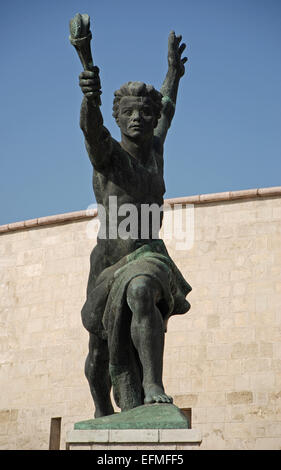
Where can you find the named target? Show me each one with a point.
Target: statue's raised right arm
(169, 89)
(97, 138)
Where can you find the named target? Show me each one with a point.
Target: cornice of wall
(227, 196)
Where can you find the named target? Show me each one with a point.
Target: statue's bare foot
(156, 394)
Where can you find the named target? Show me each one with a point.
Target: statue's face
(136, 118)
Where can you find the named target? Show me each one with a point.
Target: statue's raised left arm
(169, 89)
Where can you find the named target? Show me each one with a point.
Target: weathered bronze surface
(134, 286)
(153, 416)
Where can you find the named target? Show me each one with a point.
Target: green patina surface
(155, 416)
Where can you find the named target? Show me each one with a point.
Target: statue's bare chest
(130, 181)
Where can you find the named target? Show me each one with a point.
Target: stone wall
(222, 359)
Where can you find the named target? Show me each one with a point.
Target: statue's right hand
(89, 82)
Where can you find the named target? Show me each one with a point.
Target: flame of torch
(80, 37)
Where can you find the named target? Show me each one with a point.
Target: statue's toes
(163, 398)
(160, 397)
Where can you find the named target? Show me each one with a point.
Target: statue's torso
(127, 181)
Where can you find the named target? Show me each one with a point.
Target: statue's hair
(138, 89)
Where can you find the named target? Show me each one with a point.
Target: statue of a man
(133, 286)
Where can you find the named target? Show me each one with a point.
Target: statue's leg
(147, 330)
(97, 373)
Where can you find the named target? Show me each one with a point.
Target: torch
(80, 37)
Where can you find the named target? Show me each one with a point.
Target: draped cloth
(110, 317)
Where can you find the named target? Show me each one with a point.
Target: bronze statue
(134, 286)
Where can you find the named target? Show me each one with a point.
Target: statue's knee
(138, 290)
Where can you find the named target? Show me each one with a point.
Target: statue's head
(137, 108)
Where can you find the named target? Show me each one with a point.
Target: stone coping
(136, 436)
(91, 213)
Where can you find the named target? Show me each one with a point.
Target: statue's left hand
(175, 50)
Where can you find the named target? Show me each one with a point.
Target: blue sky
(226, 131)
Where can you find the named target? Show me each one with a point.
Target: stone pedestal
(133, 439)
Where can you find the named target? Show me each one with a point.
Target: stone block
(5, 416)
(187, 400)
(218, 351)
(88, 436)
(207, 398)
(125, 439)
(179, 435)
(242, 350)
(263, 381)
(199, 415)
(268, 443)
(239, 430)
(136, 435)
(273, 430)
(216, 414)
(218, 383)
(241, 397)
(79, 447)
(242, 382)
